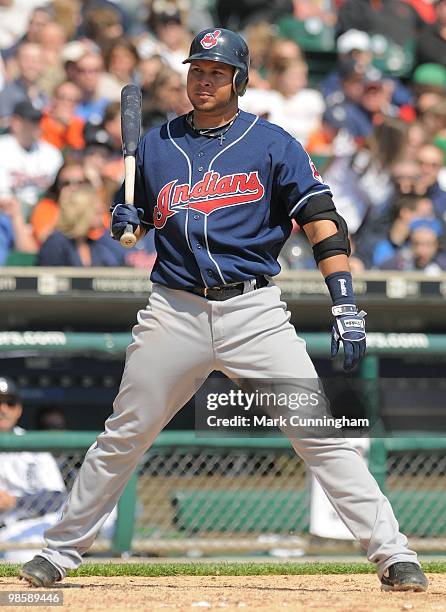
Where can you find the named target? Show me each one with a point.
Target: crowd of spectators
(374, 121)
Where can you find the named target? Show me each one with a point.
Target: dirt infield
(357, 592)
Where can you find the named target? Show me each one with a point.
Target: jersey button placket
(196, 229)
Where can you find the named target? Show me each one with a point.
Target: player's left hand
(123, 215)
(350, 329)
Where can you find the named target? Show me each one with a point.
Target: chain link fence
(191, 496)
(215, 492)
(416, 486)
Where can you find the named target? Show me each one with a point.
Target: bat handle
(128, 238)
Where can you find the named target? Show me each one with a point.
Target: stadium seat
(16, 258)
(317, 41)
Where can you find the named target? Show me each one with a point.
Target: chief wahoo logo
(210, 39)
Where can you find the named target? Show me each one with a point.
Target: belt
(225, 292)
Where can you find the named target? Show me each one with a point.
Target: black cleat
(40, 573)
(404, 576)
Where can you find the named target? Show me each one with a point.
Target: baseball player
(220, 188)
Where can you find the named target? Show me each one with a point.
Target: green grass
(220, 569)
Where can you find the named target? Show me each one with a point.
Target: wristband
(340, 286)
(343, 309)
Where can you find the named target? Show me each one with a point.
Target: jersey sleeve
(298, 179)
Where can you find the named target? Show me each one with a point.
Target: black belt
(225, 292)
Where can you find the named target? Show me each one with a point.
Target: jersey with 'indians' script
(221, 210)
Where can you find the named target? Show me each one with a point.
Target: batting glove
(348, 327)
(121, 216)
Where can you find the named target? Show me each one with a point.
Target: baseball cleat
(404, 576)
(40, 573)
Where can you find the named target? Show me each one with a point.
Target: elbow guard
(321, 208)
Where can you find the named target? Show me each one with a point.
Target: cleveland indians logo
(316, 174)
(213, 192)
(210, 39)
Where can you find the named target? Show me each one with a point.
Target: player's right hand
(123, 215)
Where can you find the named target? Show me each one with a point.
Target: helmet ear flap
(238, 83)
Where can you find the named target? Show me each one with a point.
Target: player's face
(10, 413)
(209, 86)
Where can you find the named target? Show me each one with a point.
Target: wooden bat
(130, 130)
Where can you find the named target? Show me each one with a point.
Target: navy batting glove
(121, 216)
(348, 327)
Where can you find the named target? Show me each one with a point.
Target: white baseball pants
(179, 339)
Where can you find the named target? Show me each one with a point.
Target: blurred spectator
(406, 193)
(72, 52)
(431, 45)
(332, 138)
(29, 164)
(405, 209)
(103, 147)
(81, 211)
(259, 38)
(53, 39)
(363, 183)
(290, 103)
(165, 99)
(417, 136)
(45, 214)
(50, 418)
(258, 98)
(15, 233)
(148, 68)
(433, 119)
(430, 160)
(173, 38)
(429, 77)
(121, 60)
(355, 47)
(68, 15)
(115, 6)
(281, 52)
(102, 24)
(422, 253)
(87, 74)
(429, 84)
(25, 86)
(21, 20)
(31, 486)
(406, 177)
(60, 125)
(100, 162)
(237, 14)
(345, 123)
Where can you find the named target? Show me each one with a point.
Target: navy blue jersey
(221, 209)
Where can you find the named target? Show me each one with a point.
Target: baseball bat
(130, 129)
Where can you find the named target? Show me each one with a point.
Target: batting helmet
(219, 45)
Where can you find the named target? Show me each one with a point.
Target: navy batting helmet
(219, 45)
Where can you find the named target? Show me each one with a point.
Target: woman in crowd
(45, 214)
(81, 211)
